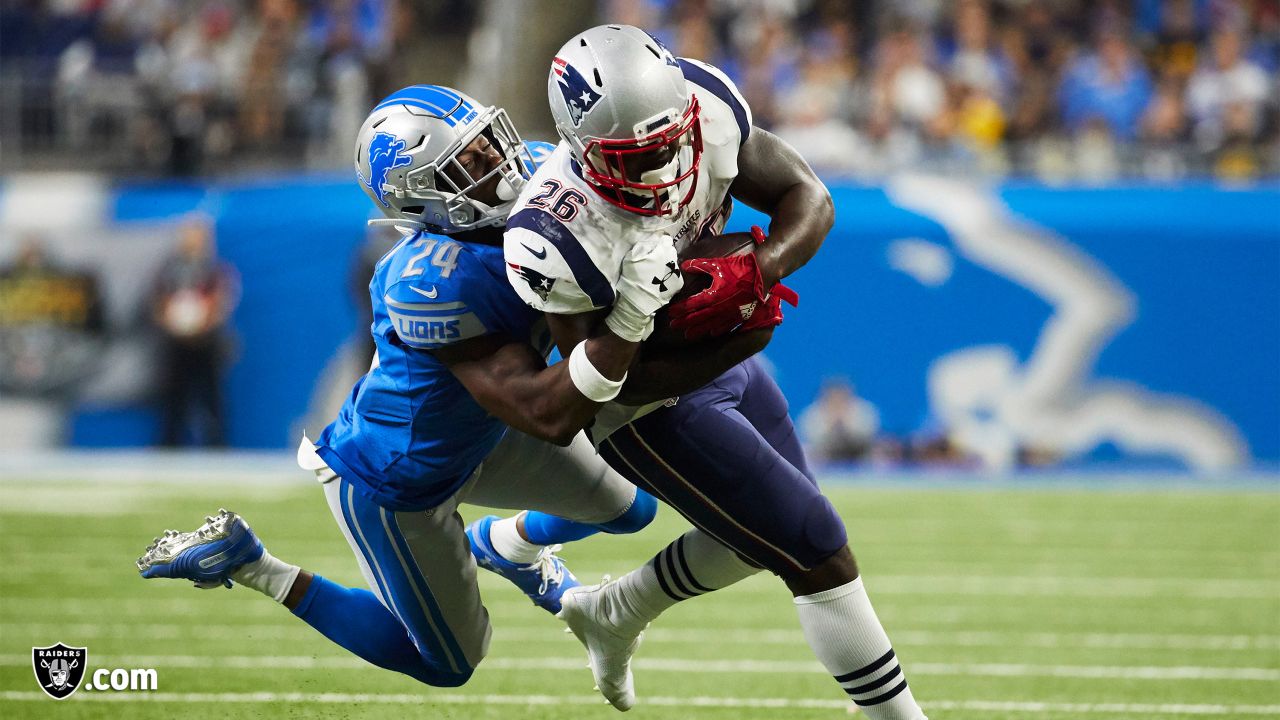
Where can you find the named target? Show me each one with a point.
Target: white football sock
(505, 538)
(844, 632)
(268, 575)
(695, 564)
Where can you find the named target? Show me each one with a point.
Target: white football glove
(650, 278)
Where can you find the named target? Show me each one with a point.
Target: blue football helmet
(407, 160)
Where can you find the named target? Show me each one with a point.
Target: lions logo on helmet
(579, 96)
(384, 156)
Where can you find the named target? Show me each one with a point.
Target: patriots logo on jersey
(385, 154)
(579, 96)
(539, 283)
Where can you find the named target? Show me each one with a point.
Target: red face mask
(641, 175)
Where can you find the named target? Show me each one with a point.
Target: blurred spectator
(839, 426)
(1226, 97)
(974, 61)
(97, 95)
(1107, 90)
(194, 295)
(1165, 128)
(1167, 87)
(1178, 42)
(267, 90)
(51, 323)
(820, 101)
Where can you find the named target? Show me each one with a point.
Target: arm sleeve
(549, 270)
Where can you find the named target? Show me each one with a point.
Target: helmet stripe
(444, 103)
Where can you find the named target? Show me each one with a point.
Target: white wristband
(588, 379)
(628, 321)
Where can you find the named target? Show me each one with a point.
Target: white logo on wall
(992, 404)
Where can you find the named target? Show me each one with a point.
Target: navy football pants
(726, 456)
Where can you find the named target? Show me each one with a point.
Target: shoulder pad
(429, 312)
(711, 79)
(552, 272)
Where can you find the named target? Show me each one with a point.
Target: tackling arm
(774, 179)
(512, 382)
(659, 372)
(663, 373)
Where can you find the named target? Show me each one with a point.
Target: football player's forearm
(551, 407)
(797, 228)
(666, 373)
(774, 179)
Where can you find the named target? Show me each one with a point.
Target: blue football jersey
(410, 434)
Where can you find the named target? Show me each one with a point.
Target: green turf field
(1046, 603)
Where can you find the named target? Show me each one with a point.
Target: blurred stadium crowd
(1052, 89)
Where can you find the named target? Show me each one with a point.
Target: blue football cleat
(206, 556)
(544, 580)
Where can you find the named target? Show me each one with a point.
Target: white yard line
(687, 666)
(1233, 589)
(146, 630)
(431, 697)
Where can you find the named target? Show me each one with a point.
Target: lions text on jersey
(410, 434)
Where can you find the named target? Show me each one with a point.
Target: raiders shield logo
(59, 669)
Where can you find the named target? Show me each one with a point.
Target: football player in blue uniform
(459, 405)
(654, 149)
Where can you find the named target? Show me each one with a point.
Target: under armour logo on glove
(661, 282)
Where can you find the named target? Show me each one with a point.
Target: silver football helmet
(620, 101)
(407, 160)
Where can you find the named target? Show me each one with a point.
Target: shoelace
(548, 566)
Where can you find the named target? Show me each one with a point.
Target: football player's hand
(769, 313)
(736, 291)
(650, 278)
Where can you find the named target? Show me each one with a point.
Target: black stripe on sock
(662, 580)
(670, 552)
(885, 697)
(874, 666)
(878, 682)
(684, 565)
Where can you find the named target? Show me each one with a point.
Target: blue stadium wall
(896, 287)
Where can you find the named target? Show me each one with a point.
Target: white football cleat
(586, 610)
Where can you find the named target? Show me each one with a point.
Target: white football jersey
(564, 244)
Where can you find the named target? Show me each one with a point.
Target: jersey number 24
(446, 256)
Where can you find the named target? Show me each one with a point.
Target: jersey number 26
(562, 202)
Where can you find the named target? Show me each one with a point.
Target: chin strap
(411, 225)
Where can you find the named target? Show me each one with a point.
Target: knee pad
(821, 533)
(641, 513)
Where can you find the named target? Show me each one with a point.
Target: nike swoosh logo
(430, 295)
(540, 254)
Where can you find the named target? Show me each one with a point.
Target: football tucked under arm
(723, 292)
(670, 363)
(730, 245)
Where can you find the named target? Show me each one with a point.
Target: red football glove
(736, 291)
(735, 300)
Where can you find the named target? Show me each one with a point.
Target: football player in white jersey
(653, 151)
